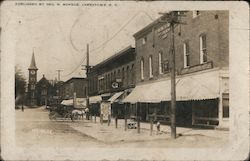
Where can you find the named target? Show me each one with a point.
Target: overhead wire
(100, 46)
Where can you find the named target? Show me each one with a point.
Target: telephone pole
(172, 18)
(87, 77)
(59, 71)
(173, 85)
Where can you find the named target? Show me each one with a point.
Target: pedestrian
(22, 108)
(158, 125)
(87, 113)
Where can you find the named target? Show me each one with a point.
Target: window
(186, 54)
(127, 80)
(160, 63)
(106, 81)
(144, 40)
(32, 86)
(196, 13)
(142, 69)
(44, 92)
(203, 49)
(225, 104)
(150, 67)
(132, 74)
(123, 76)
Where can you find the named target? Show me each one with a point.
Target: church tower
(32, 81)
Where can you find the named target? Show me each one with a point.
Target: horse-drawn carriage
(61, 112)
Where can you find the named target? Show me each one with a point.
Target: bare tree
(20, 85)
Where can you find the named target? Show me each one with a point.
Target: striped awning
(95, 99)
(115, 97)
(80, 102)
(204, 85)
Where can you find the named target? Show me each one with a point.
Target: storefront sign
(105, 110)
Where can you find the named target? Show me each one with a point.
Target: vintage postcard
(124, 80)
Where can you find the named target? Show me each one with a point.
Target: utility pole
(172, 18)
(173, 87)
(58, 71)
(87, 77)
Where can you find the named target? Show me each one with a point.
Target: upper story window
(160, 63)
(127, 79)
(196, 13)
(132, 74)
(44, 92)
(123, 75)
(186, 54)
(142, 69)
(150, 67)
(203, 49)
(144, 40)
(32, 86)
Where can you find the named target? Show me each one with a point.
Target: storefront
(202, 99)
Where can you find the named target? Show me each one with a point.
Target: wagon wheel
(52, 116)
(67, 115)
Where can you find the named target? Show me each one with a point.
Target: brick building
(112, 78)
(44, 91)
(202, 53)
(71, 86)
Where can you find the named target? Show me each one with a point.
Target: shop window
(225, 104)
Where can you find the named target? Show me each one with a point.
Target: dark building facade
(202, 61)
(71, 86)
(113, 78)
(113, 74)
(44, 91)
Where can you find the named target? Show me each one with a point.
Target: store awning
(190, 87)
(95, 99)
(115, 97)
(80, 102)
(67, 102)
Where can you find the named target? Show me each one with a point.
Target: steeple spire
(33, 62)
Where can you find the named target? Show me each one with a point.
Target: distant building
(202, 61)
(113, 78)
(44, 91)
(31, 95)
(71, 86)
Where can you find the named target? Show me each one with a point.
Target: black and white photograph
(124, 80)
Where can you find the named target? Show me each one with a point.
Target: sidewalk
(105, 133)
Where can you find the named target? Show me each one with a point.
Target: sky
(58, 34)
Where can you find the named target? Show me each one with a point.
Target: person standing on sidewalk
(158, 125)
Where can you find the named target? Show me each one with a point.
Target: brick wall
(215, 24)
(105, 73)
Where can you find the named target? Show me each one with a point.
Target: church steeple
(33, 62)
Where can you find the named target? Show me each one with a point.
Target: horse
(78, 113)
